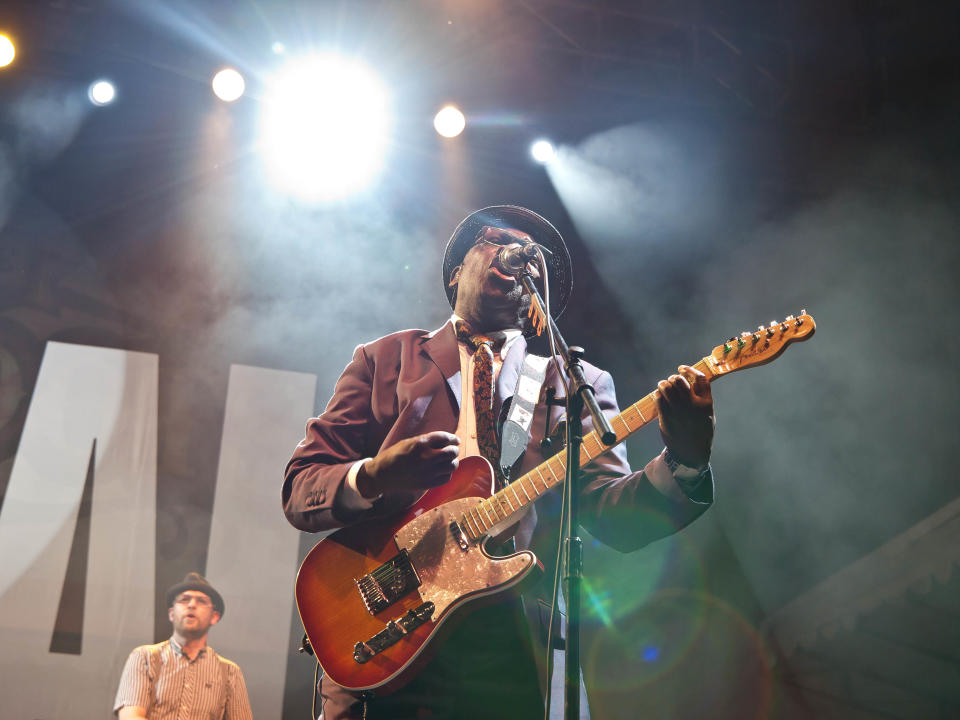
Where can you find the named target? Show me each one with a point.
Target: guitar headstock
(763, 345)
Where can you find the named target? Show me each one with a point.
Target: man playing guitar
(403, 416)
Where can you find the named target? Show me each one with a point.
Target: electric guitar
(372, 597)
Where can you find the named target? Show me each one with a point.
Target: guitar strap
(516, 428)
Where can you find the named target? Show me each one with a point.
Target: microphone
(514, 259)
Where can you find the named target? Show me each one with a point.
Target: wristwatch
(687, 470)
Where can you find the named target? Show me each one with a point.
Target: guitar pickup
(388, 583)
(394, 630)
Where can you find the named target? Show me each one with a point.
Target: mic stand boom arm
(579, 393)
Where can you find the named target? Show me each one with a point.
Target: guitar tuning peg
(760, 328)
(773, 322)
(803, 312)
(788, 318)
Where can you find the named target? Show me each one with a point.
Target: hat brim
(559, 268)
(205, 588)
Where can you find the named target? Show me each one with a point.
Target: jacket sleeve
(343, 434)
(627, 510)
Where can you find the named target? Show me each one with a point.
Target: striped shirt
(170, 686)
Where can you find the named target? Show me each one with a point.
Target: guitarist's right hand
(417, 463)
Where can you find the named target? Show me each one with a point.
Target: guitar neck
(748, 349)
(502, 506)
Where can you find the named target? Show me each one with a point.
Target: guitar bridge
(394, 630)
(388, 583)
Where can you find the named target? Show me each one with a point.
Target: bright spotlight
(324, 129)
(7, 51)
(101, 92)
(542, 151)
(449, 122)
(228, 85)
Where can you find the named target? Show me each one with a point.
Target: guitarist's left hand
(685, 405)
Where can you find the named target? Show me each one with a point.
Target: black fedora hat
(513, 217)
(195, 581)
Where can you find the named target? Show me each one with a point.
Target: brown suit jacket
(408, 383)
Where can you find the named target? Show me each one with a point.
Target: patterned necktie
(482, 347)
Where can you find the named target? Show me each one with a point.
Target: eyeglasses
(200, 600)
(497, 238)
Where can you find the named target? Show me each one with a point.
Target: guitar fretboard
(502, 506)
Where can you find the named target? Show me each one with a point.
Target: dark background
(721, 166)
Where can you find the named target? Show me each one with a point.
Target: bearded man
(183, 678)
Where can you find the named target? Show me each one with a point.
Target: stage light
(324, 127)
(7, 51)
(449, 122)
(101, 92)
(542, 151)
(228, 85)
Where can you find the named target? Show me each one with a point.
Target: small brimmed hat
(517, 218)
(195, 581)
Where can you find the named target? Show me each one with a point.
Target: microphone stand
(579, 393)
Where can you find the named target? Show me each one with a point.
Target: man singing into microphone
(410, 405)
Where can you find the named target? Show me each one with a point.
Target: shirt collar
(509, 336)
(178, 649)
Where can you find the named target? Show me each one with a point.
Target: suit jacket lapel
(441, 347)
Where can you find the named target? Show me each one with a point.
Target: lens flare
(677, 635)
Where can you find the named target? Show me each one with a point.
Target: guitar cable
(306, 647)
